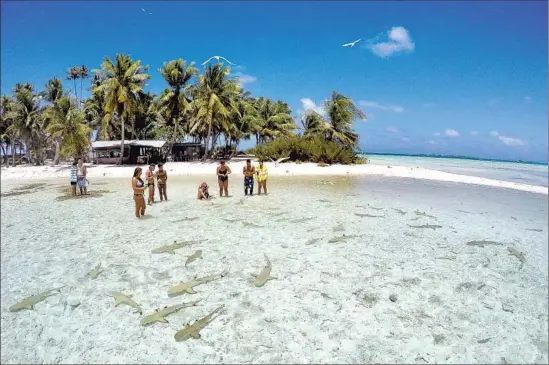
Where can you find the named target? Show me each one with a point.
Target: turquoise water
(524, 173)
(340, 247)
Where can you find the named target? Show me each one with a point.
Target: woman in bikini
(150, 183)
(161, 178)
(223, 172)
(138, 187)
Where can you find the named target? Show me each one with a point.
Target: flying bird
(143, 10)
(217, 58)
(352, 44)
(150, 13)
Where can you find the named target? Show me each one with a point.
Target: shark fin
(171, 251)
(163, 320)
(195, 335)
(190, 291)
(272, 278)
(254, 275)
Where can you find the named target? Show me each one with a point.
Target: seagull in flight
(217, 58)
(352, 44)
(143, 10)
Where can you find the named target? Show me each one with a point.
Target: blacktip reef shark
(264, 275)
(195, 256)
(121, 298)
(30, 302)
(171, 248)
(95, 272)
(193, 330)
(189, 285)
(159, 315)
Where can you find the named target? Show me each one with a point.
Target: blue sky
(465, 78)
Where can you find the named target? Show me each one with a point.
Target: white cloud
(436, 134)
(405, 139)
(309, 104)
(243, 78)
(451, 133)
(399, 41)
(508, 141)
(431, 142)
(373, 104)
(527, 99)
(474, 133)
(392, 130)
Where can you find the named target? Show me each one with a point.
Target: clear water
(507, 171)
(330, 302)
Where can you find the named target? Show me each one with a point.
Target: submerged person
(203, 191)
(249, 172)
(223, 172)
(81, 173)
(138, 187)
(73, 178)
(162, 178)
(262, 175)
(150, 183)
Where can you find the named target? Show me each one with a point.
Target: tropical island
(211, 108)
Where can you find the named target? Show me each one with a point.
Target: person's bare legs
(137, 206)
(73, 187)
(264, 184)
(163, 192)
(143, 206)
(226, 188)
(151, 194)
(221, 184)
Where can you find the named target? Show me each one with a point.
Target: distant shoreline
(283, 169)
(455, 157)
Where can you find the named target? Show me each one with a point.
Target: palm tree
(174, 103)
(52, 93)
(82, 74)
(27, 123)
(73, 73)
(341, 112)
(213, 97)
(53, 90)
(313, 124)
(124, 82)
(271, 120)
(67, 123)
(5, 122)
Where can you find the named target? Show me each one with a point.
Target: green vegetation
(209, 107)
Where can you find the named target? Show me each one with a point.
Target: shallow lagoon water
(330, 303)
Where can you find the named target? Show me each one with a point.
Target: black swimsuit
(224, 173)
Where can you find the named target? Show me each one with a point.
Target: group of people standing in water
(222, 171)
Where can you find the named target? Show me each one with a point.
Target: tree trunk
(4, 157)
(207, 141)
(13, 155)
(75, 92)
(80, 104)
(122, 143)
(56, 157)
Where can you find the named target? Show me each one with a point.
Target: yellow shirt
(263, 173)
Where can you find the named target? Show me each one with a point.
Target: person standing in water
(249, 172)
(73, 178)
(81, 173)
(161, 179)
(150, 183)
(262, 174)
(138, 187)
(223, 172)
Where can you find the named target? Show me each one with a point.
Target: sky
(453, 78)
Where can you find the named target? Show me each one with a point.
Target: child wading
(150, 183)
(161, 178)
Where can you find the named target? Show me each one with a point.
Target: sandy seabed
(452, 302)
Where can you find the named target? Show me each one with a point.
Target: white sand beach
(282, 169)
(341, 247)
